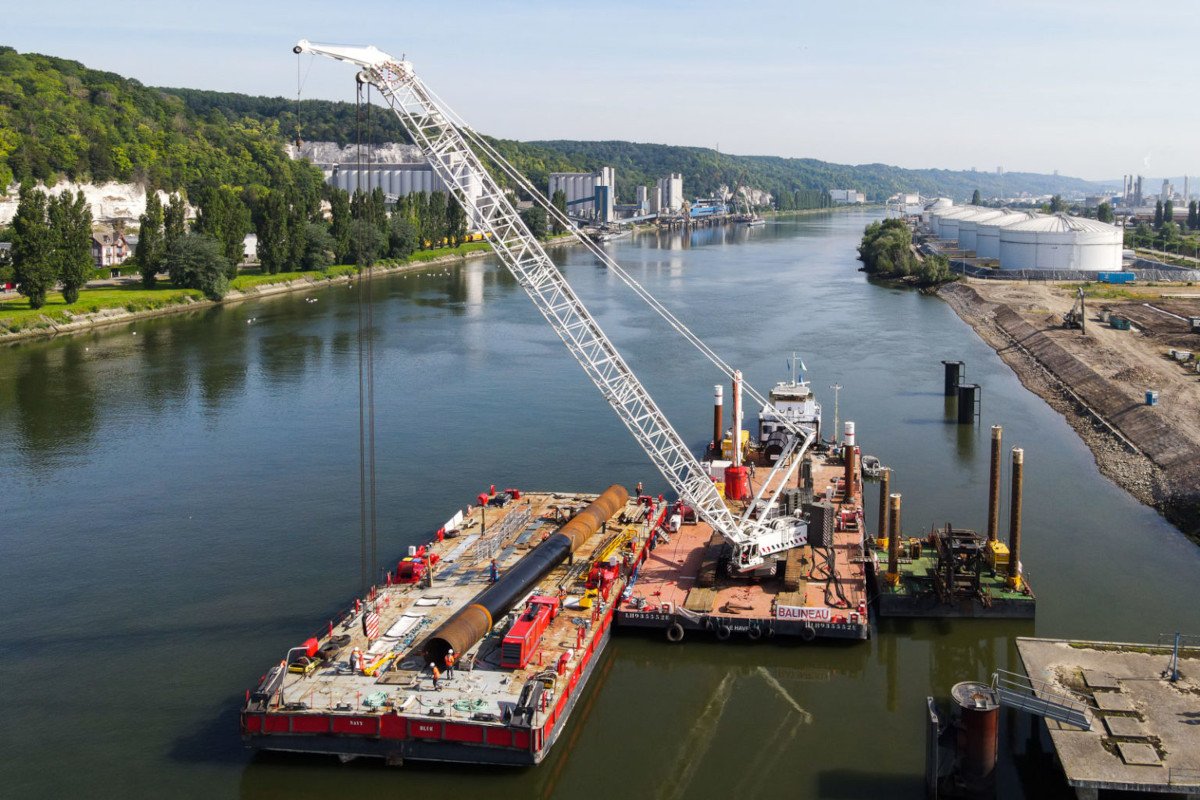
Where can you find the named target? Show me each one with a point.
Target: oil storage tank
(1061, 242)
(948, 222)
(968, 226)
(987, 232)
(934, 210)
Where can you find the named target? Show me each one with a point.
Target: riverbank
(1098, 382)
(107, 307)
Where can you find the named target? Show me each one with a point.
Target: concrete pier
(1144, 734)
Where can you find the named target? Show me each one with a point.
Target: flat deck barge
(951, 573)
(366, 686)
(814, 591)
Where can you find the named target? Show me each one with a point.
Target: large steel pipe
(468, 626)
(885, 479)
(1014, 519)
(994, 487)
(893, 570)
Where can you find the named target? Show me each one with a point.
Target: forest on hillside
(59, 118)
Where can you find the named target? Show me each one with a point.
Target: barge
(548, 567)
(516, 597)
(952, 572)
(818, 590)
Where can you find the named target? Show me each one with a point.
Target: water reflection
(55, 404)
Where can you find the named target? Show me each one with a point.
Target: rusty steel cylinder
(893, 573)
(885, 479)
(1014, 530)
(850, 457)
(994, 487)
(468, 626)
(979, 712)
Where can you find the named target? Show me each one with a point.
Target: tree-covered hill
(59, 118)
(704, 170)
(319, 120)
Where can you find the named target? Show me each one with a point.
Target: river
(180, 505)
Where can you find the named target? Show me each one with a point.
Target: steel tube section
(967, 392)
(994, 487)
(1014, 530)
(893, 573)
(885, 479)
(979, 710)
(737, 418)
(954, 374)
(718, 411)
(850, 456)
(463, 630)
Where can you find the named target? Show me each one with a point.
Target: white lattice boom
(450, 155)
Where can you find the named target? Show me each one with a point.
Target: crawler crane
(453, 150)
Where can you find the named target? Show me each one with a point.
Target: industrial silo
(1061, 242)
(967, 226)
(935, 210)
(987, 232)
(948, 222)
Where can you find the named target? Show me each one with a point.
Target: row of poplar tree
(51, 244)
(52, 235)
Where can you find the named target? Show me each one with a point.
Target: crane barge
(478, 645)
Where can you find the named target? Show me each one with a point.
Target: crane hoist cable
(368, 283)
(558, 216)
(366, 359)
(460, 165)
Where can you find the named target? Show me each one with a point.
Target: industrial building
(845, 197)
(590, 195)
(670, 191)
(396, 180)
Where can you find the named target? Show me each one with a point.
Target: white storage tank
(933, 210)
(987, 232)
(1062, 242)
(967, 225)
(948, 222)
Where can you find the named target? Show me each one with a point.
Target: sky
(1094, 89)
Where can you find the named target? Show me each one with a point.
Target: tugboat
(792, 400)
(871, 468)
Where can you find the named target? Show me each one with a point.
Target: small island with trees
(887, 254)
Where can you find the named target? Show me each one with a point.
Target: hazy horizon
(1027, 86)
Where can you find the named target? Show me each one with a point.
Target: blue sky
(1095, 89)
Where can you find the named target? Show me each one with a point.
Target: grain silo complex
(1061, 242)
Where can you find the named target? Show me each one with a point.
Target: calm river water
(180, 505)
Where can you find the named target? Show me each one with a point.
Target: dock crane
(453, 150)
